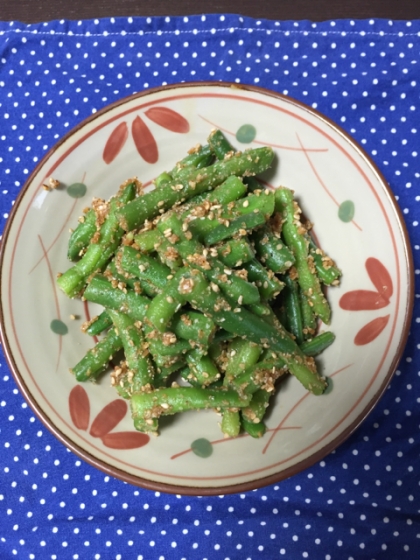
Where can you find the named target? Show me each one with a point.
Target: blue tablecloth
(360, 502)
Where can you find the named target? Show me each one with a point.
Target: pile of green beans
(211, 287)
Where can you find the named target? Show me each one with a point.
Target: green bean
(163, 373)
(147, 241)
(173, 296)
(152, 240)
(271, 250)
(326, 269)
(98, 324)
(242, 322)
(238, 226)
(317, 344)
(193, 326)
(202, 368)
(95, 361)
(81, 235)
(195, 254)
(219, 144)
(112, 273)
(253, 184)
(308, 317)
(257, 408)
(235, 252)
(152, 274)
(267, 283)
(228, 191)
(255, 430)
(241, 354)
(297, 242)
(262, 375)
(291, 302)
(97, 254)
(262, 309)
(148, 206)
(231, 422)
(147, 407)
(161, 179)
(101, 291)
(197, 158)
(135, 350)
(165, 344)
(263, 204)
(169, 361)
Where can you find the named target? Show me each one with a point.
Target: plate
(356, 221)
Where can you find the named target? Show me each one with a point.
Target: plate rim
(257, 482)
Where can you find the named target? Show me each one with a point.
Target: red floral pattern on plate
(142, 135)
(372, 330)
(368, 300)
(144, 140)
(106, 420)
(115, 142)
(79, 407)
(169, 119)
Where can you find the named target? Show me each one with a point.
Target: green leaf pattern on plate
(58, 327)
(346, 211)
(246, 133)
(202, 448)
(77, 190)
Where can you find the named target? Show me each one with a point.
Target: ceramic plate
(356, 221)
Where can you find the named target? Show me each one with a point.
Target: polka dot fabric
(360, 502)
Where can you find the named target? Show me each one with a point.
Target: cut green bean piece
(325, 266)
(224, 214)
(308, 317)
(235, 252)
(111, 273)
(231, 423)
(241, 354)
(219, 144)
(98, 254)
(262, 375)
(202, 368)
(193, 326)
(238, 226)
(98, 324)
(267, 283)
(257, 408)
(298, 243)
(197, 158)
(291, 302)
(96, 359)
(161, 179)
(196, 255)
(317, 344)
(175, 294)
(147, 241)
(135, 350)
(244, 323)
(152, 274)
(81, 236)
(148, 206)
(255, 430)
(271, 250)
(101, 291)
(147, 407)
